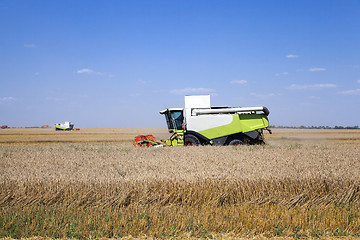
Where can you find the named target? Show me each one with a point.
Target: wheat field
(95, 184)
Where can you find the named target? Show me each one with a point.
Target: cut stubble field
(95, 183)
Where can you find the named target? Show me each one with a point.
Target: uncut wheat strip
(190, 193)
(98, 162)
(211, 192)
(254, 189)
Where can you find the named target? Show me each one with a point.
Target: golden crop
(302, 185)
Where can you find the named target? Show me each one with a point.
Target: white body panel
(204, 122)
(199, 116)
(64, 125)
(197, 101)
(226, 110)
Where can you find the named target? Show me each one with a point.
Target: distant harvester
(66, 126)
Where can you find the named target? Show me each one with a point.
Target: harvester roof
(170, 109)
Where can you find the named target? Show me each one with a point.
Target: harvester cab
(174, 119)
(176, 124)
(199, 123)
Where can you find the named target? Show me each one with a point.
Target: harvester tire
(191, 140)
(236, 142)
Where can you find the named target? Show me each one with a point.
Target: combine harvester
(200, 124)
(66, 126)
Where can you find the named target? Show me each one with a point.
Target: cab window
(176, 119)
(179, 119)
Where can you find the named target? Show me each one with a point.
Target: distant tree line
(316, 127)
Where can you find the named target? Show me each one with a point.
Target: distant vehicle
(4, 126)
(66, 126)
(45, 126)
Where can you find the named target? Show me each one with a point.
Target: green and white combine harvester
(200, 124)
(66, 126)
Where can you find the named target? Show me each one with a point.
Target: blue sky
(118, 63)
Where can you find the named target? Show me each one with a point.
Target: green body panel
(180, 137)
(240, 123)
(62, 128)
(177, 139)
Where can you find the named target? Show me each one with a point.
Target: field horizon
(281, 135)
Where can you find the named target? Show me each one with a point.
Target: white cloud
(311, 86)
(358, 81)
(316, 69)
(6, 99)
(292, 56)
(88, 71)
(30, 45)
(185, 91)
(238, 82)
(351, 92)
(265, 95)
(283, 73)
(92, 72)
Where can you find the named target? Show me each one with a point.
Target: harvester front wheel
(236, 142)
(191, 140)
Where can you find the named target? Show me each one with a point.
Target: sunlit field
(94, 183)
